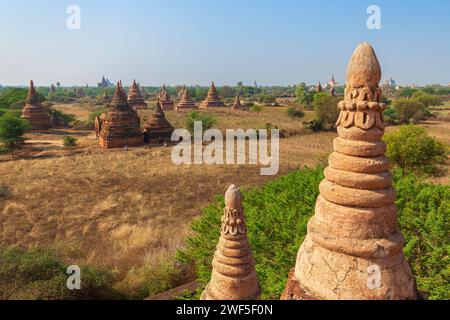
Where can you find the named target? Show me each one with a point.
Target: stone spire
(319, 87)
(237, 103)
(332, 92)
(353, 249)
(158, 129)
(233, 275)
(120, 126)
(165, 99)
(186, 101)
(213, 99)
(135, 99)
(34, 112)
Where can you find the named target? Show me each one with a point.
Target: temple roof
(33, 97)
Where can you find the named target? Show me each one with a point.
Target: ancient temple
(319, 87)
(237, 103)
(34, 112)
(165, 99)
(120, 126)
(135, 99)
(186, 101)
(213, 99)
(353, 249)
(158, 129)
(233, 274)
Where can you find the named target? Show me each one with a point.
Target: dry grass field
(124, 210)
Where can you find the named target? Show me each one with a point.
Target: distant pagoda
(158, 129)
(120, 126)
(165, 99)
(34, 112)
(186, 101)
(237, 103)
(319, 87)
(213, 99)
(135, 99)
(52, 88)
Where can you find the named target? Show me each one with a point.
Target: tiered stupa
(34, 112)
(237, 105)
(158, 129)
(186, 101)
(213, 99)
(353, 249)
(165, 100)
(135, 99)
(233, 275)
(120, 126)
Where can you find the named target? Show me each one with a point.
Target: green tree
(13, 97)
(411, 149)
(12, 130)
(325, 109)
(207, 121)
(302, 95)
(426, 99)
(408, 110)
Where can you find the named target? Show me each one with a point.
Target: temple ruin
(165, 99)
(186, 101)
(135, 99)
(237, 103)
(158, 129)
(120, 126)
(34, 112)
(233, 275)
(213, 99)
(353, 249)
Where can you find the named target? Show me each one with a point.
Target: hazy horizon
(195, 42)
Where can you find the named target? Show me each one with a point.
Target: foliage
(406, 92)
(207, 121)
(295, 113)
(265, 98)
(59, 118)
(411, 149)
(39, 274)
(69, 141)
(325, 109)
(13, 97)
(12, 130)
(256, 108)
(312, 125)
(277, 218)
(303, 96)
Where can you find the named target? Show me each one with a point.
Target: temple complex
(353, 249)
(34, 112)
(186, 101)
(213, 99)
(105, 83)
(135, 99)
(233, 274)
(158, 129)
(120, 126)
(165, 99)
(237, 103)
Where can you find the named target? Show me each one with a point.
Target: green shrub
(325, 109)
(295, 113)
(69, 141)
(411, 149)
(39, 274)
(277, 218)
(256, 108)
(207, 121)
(59, 118)
(12, 130)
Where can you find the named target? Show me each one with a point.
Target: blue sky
(195, 41)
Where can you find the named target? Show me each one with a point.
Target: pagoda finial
(364, 69)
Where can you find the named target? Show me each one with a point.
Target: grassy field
(125, 210)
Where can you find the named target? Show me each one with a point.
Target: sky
(272, 42)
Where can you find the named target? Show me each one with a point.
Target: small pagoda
(213, 99)
(158, 129)
(319, 87)
(120, 126)
(186, 101)
(34, 112)
(237, 105)
(135, 99)
(165, 100)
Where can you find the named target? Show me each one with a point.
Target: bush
(256, 108)
(411, 149)
(277, 217)
(325, 109)
(69, 141)
(13, 97)
(39, 274)
(295, 113)
(265, 98)
(60, 119)
(207, 121)
(12, 130)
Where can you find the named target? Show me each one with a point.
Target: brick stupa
(158, 129)
(233, 275)
(34, 112)
(120, 126)
(186, 101)
(165, 100)
(213, 99)
(237, 105)
(353, 249)
(135, 99)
